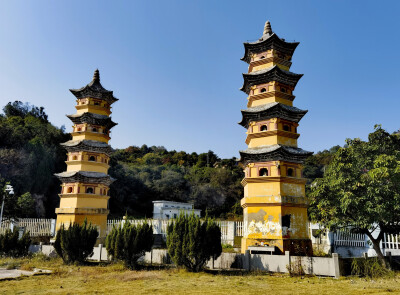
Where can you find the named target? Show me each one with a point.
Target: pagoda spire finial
(267, 28)
(96, 75)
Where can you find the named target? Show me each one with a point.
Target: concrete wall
(156, 256)
(321, 266)
(226, 261)
(348, 251)
(272, 263)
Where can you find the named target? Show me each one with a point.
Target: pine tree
(76, 243)
(129, 242)
(191, 242)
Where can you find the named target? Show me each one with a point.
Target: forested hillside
(30, 154)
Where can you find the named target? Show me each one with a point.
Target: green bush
(75, 244)
(191, 242)
(369, 267)
(11, 246)
(228, 248)
(129, 242)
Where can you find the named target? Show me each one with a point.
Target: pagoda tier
(271, 110)
(274, 73)
(267, 42)
(84, 177)
(87, 146)
(274, 152)
(95, 90)
(92, 119)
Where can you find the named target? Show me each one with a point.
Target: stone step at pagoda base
(294, 246)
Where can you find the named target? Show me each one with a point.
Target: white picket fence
(346, 238)
(229, 229)
(223, 225)
(160, 227)
(391, 242)
(239, 228)
(35, 226)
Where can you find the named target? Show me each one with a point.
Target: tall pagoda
(85, 184)
(274, 203)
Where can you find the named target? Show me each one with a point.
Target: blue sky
(175, 65)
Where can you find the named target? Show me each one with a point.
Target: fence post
(53, 227)
(335, 258)
(287, 255)
(230, 237)
(158, 227)
(247, 260)
(13, 224)
(100, 250)
(389, 254)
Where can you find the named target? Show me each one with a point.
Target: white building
(169, 209)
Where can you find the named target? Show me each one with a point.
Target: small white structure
(169, 209)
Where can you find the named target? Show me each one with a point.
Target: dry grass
(115, 279)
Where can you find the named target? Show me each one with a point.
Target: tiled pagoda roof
(95, 90)
(92, 118)
(87, 146)
(271, 110)
(274, 152)
(266, 42)
(84, 177)
(274, 73)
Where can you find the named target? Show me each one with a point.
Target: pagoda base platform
(97, 220)
(294, 246)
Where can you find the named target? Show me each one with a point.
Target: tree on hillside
(30, 154)
(361, 188)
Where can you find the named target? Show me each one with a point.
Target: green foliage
(152, 173)
(295, 268)
(191, 242)
(26, 205)
(30, 154)
(227, 248)
(317, 252)
(361, 188)
(75, 244)
(129, 242)
(370, 267)
(10, 245)
(315, 165)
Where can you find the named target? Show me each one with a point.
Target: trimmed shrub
(369, 267)
(75, 244)
(129, 242)
(11, 246)
(191, 242)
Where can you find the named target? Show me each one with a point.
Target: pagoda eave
(274, 153)
(93, 119)
(268, 42)
(269, 111)
(85, 177)
(86, 91)
(267, 75)
(87, 146)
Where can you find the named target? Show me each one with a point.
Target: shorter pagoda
(85, 184)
